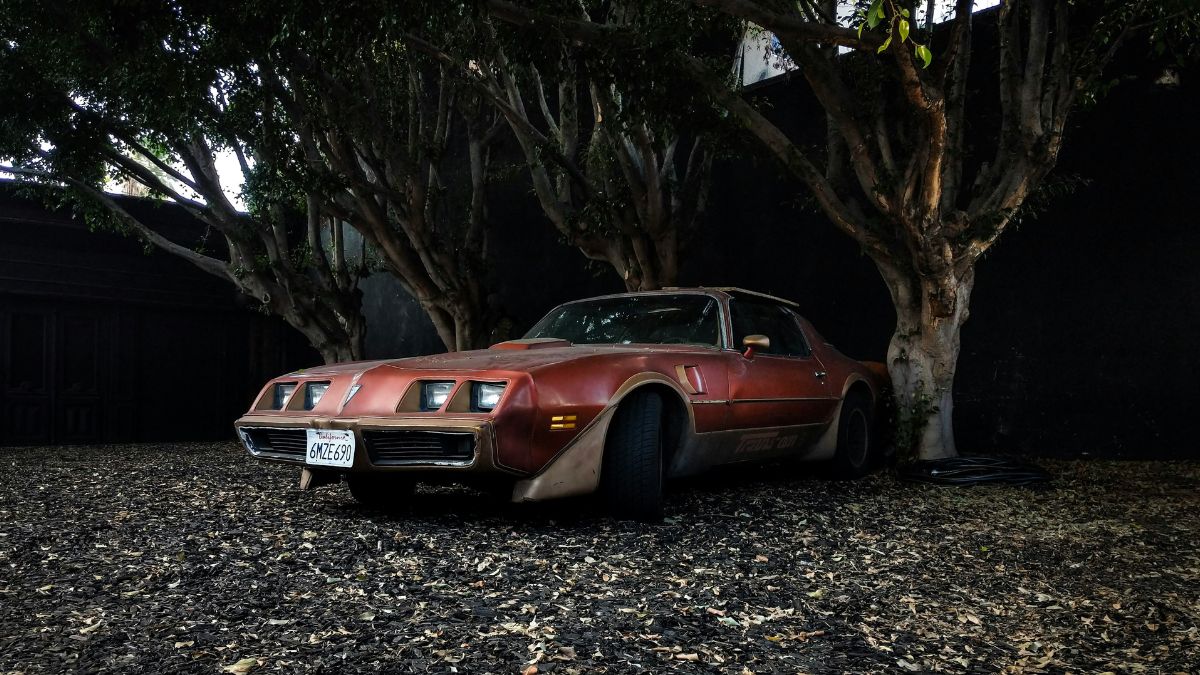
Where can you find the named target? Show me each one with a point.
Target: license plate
(330, 447)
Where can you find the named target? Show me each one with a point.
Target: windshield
(634, 319)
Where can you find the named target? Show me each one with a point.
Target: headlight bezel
(311, 398)
(478, 395)
(431, 402)
(282, 394)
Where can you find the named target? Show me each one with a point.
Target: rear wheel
(854, 457)
(631, 475)
(381, 491)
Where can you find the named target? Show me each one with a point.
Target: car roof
(730, 291)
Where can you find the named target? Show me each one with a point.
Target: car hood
(501, 359)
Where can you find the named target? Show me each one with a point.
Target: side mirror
(753, 343)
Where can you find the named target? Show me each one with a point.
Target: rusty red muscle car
(610, 395)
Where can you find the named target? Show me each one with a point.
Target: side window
(805, 347)
(776, 322)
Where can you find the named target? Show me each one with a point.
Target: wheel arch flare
(575, 470)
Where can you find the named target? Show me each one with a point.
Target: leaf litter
(195, 558)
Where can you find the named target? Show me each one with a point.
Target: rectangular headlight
(313, 392)
(485, 396)
(434, 394)
(283, 391)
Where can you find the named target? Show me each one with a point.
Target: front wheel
(853, 456)
(383, 492)
(631, 475)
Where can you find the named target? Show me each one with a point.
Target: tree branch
(213, 266)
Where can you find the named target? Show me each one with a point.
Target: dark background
(103, 341)
(1081, 339)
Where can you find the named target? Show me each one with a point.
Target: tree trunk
(463, 324)
(335, 346)
(338, 353)
(922, 358)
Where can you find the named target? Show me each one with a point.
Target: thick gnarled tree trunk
(922, 358)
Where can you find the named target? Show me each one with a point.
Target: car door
(780, 391)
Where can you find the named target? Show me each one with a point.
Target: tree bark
(337, 345)
(340, 352)
(922, 358)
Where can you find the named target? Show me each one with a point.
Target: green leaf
(875, 13)
(903, 30)
(904, 12)
(883, 47)
(860, 27)
(924, 54)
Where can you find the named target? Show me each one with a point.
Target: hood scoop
(531, 343)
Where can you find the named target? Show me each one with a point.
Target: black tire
(855, 454)
(381, 491)
(631, 475)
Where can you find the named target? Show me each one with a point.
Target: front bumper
(383, 444)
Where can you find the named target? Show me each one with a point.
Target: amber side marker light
(562, 422)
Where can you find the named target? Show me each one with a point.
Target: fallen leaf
(242, 666)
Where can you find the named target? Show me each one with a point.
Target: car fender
(575, 470)
(826, 445)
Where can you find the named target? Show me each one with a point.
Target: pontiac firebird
(610, 395)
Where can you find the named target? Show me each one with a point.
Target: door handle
(820, 374)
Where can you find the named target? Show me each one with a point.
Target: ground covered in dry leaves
(197, 559)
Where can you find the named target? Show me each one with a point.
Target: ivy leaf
(903, 30)
(924, 54)
(883, 47)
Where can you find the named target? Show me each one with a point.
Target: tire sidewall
(632, 471)
(854, 456)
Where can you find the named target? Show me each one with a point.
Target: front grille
(287, 443)
(419, 447)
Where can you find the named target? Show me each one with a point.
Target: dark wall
(1085, 320)
(102, 342)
